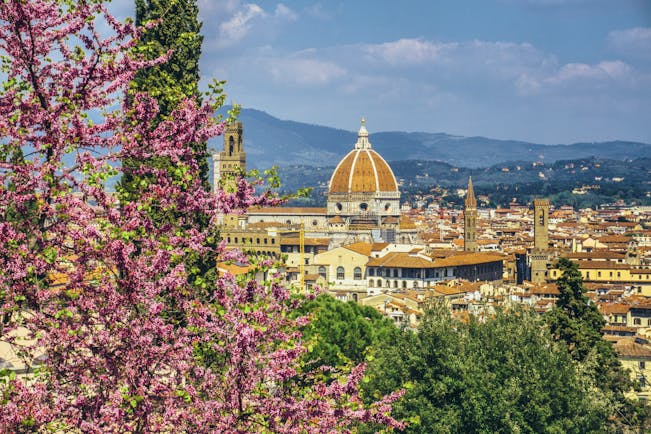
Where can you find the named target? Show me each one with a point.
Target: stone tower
(231, 160)
(470, 220)
(632, 253)
(540, 225)
(539, 256)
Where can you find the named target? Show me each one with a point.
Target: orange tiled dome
(363, 170)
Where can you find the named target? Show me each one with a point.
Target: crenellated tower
(231, 161)
(539, 256)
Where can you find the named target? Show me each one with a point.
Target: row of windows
(387, 284)
(638, 321)
(428, 273)
(341, 275)
(289, 222)
(236, 240)
(610, 274)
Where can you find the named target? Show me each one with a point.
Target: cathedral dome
(363, 170)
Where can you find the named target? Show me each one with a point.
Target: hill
(580, 182)
(272, 141)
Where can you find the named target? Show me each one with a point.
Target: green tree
(503, 373)
(341, 333)
(172, 29)
(178, 30)
(578, 323)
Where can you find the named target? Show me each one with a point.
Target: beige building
(345, 269)
(635, 355)
(363, 203)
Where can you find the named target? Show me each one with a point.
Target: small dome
(363, 170)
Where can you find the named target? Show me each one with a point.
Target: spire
(470, 202)
(362, 137)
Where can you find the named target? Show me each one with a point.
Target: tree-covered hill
(582, 182)
(272, 141)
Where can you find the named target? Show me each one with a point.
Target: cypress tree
(176, 30)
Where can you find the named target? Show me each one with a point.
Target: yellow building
(345, 269)
(635, 355)
(612, 273)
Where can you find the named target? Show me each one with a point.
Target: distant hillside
(271, 141)
(597, 181)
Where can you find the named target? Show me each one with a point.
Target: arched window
(322, 271)
(379, 283)
(231, 146)
(387, 284)
(371, 283)
(415, 284)
(404, 284)
(340, 273)
(637, 321)
(395, 283)
(357, 273)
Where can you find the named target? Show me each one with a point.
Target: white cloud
(406, 51)
(307, 72)
(488, 59)
(238, 26)
(580, 78)
(550, 3)
(236, 20)
(283, 11)
(634, 42)
(317, 11)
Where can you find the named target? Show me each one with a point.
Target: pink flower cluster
(95, 295)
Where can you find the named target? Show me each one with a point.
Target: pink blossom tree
(96, 296)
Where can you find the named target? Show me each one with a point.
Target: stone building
(231, 161)
(539, 255)
(470, 220)
(363, 202)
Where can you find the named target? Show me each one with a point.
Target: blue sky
(546, 71)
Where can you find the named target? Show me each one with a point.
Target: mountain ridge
(272, 141)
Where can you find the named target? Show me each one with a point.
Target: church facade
(363, 202)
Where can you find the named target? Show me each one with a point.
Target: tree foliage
(95, 294)
(171, 29)
(578, 323)
(503, 373)
(341, 333)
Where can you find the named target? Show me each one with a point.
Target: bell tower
(539, 256)
(541, 224)
(231, 161)
(470, 220)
